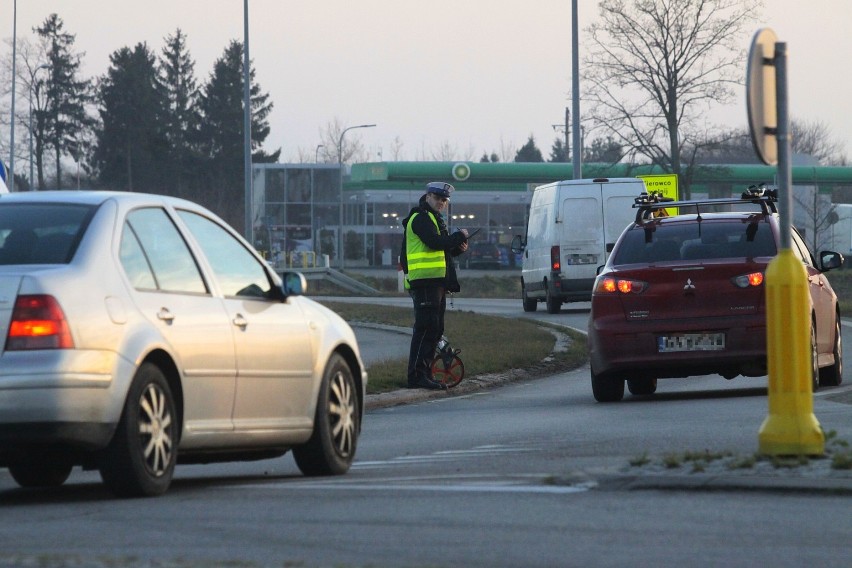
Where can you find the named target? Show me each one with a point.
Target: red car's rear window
(661, 242)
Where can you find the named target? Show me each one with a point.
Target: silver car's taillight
(38, 323)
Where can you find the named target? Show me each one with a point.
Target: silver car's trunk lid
(8, 292)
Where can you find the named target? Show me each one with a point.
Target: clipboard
(471, 234)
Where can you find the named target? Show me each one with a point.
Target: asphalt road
(532, 474)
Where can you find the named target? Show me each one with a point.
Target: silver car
(141, 331)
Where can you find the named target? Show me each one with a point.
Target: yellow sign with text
(665, 185)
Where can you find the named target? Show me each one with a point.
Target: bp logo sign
(461, 171)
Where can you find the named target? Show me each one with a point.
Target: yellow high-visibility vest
(423, 262)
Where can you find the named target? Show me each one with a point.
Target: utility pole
(566, 129)
(575, 95)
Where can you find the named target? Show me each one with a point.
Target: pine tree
(529, 152)
(558, 153)
(221, 133)
(182, 120)
(63, 121)
(132, 145)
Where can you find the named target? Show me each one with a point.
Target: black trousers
(429, 307)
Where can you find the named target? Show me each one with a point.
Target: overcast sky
(478, 76)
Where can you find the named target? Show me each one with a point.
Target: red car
(683, 295)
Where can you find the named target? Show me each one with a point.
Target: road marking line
(497, 486)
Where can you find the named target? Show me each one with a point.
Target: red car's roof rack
(652, 205)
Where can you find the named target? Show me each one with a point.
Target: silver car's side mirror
(294, 284)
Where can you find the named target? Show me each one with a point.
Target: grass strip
(489, 344)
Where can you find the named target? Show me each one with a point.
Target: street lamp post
(316, 154)
(577, 160)
(14, 77)
(340, 253)
(249, 229)
(34, 93)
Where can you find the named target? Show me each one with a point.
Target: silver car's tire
(44, 474)
(832, 375)
(337, 423)
(140, 459)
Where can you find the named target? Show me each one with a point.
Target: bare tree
(507, 150)
(351, 149)
(396, 149)
(815, 214)
(31, 75)
(814, 137)
(655, 65)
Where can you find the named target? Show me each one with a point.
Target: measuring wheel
(447, 367)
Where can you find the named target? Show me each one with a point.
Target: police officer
(426, 259)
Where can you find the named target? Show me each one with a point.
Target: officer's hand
(463, 246)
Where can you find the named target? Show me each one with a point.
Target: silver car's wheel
(832, 375)
(337, 423)
(44, 474)
(141, 457)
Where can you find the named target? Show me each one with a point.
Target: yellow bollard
(791, 427)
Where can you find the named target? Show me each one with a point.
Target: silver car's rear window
(41, 233)
(695, 241)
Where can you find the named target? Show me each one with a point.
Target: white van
(571, 230)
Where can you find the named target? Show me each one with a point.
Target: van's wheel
(40, 474)
(530, 304)
(140, 459)
(331, 447)
(553, 303)
(607, 388)
(832, 376)
(642, 386)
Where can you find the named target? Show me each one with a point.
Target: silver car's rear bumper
(71, 397)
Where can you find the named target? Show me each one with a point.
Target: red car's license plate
(691, 342)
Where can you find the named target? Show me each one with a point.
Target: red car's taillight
(38, 323)
(746, 280)
(613, 285)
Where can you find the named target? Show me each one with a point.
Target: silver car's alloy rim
(155, 430)
(341, 414)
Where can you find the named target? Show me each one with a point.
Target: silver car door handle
(165, 315)
(240, 321)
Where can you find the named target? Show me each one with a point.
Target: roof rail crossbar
(653, 205)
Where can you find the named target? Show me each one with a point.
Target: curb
(828, 486)
(467, 386)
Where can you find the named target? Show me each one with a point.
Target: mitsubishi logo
(689, 285)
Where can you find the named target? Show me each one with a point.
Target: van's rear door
(580, 219)
(618, 199)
